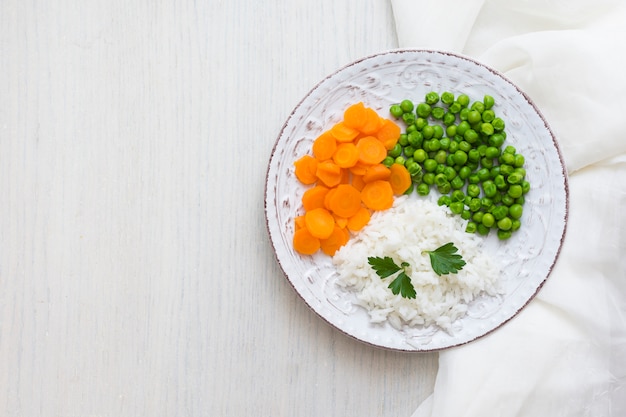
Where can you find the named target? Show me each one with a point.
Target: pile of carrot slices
(347, 179)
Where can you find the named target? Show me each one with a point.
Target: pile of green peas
(457, 147)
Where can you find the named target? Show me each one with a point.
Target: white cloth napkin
(565, 353)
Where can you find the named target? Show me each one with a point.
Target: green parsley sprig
(444, 260)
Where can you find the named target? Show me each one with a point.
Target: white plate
(379, 81)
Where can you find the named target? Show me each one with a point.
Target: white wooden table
(136, 274)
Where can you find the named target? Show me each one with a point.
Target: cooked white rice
(402, 233)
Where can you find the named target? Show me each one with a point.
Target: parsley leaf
(445, 259)
(386, 267)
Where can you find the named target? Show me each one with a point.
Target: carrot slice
(305, 243)
(343, 133)
(314, 197)
(306, 169)
(355, 116)
(373, 122)
(357, 182)
(345, 200)
(329, 173)
(324, 146)
(377, 195)
(340, 221)
(346, 155)
(319, 222)
(359, 219)
(376, 172)
(400, 178)
(359, 168)
(371, 150)
(388, 134)
(299, 222)
(335, 241)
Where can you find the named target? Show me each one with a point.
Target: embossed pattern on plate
(379, 81)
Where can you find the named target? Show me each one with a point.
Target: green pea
(486, 129)
(506, 169)
(516, 211)
(428, 131)
(500, 212)
(504, 234)
(465, 172)
(428, 178)
(463, 100)
(403, 140)
(478, 106)
(400, 160)
(437, 131)
(444, 188)
(473, 190)
(444, 200)
(500, 182)
(451, 131)
(515, 190)
(457, 183)
(415, 139)
(445, 143)
(420, 155)
(395, 151)
(407, 106)
(488, 101)
(441, 156)
(420, 123)
(430, 165)
(431, 98)
(456, 207)
(505, 223)
(492, 152)
(408, 118)
(388, 161)
(487, 162)
(408, 151)
(514, 178)
(423, 189)
(488, 116)
(437, 113)
(454, 146)
(497, 139)
(489, 188)
(449, 118)
(488, 220)
(471, 136)
(478, 216)
(423, 110)
(473, 179)
(396, 111)
(447, 98)
(458, 195)
(507, 200)
(460, 157)
(498, 124)
(471, 227)
(455, 107)
(519, 161)
(473, 117)
(474, 205)
(482, 229)
(462, 127)
(515, 225)
(525, 187)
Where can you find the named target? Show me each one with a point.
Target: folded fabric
(565, 353)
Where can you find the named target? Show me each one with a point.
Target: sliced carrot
(343, 133)
(345, 200)
(400, 178)
(345, 176)
(346, 155)
(340, 221)
(306, 169)
(299, 222)
(373, 122)
(388, 134)
(314, 197)
(359, 168)
(324, 146)
(357, 182)
(319, 222)
(371, 150)
(359, 219)
(376, 172)
(355, 116)
(328, 196)
(305, 243)
(329, 173)
(335, 241)
(377, 195)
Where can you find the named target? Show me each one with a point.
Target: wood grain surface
(136, 274)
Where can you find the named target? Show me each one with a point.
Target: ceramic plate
(378, 81)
